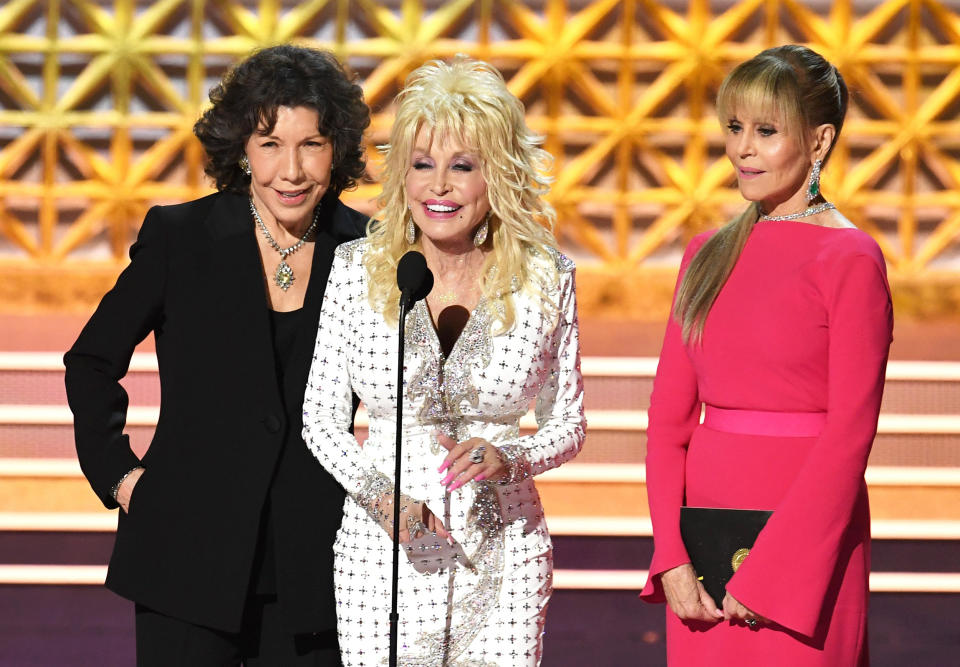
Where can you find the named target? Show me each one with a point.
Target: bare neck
(453, 261)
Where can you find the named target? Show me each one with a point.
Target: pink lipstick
(440, 209)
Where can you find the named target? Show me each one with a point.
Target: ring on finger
(416, 527)
(476, 455)
(752, 622)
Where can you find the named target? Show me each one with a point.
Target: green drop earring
(813, 187)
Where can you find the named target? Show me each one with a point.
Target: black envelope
(717, 541)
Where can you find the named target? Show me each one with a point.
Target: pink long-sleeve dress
(802, 325)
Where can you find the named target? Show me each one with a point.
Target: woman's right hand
(687, 597)
(430, 520)
(125, 492)
(415, 519)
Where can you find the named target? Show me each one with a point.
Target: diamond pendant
(283, 276)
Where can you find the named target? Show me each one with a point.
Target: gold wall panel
(98, 98)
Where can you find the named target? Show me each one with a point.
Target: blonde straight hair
(800, 90)
(468, 100)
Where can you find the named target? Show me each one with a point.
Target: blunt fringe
(800, 89)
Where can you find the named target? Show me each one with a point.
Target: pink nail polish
(446, 480)
(443, 466)
(480, 477)
(454, 486)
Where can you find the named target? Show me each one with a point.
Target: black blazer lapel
(237, 284)
(337, 224)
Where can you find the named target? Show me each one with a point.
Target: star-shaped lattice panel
(98, 98)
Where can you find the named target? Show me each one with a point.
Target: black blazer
(187, 546)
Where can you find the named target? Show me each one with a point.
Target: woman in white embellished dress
(463, 183)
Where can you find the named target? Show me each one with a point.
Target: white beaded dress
(481, 602)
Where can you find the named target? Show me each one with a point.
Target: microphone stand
(394, 616)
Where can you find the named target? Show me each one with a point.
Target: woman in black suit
(226, 526)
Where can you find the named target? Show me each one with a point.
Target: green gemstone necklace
(283, 277)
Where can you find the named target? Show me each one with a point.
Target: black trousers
(163, 641)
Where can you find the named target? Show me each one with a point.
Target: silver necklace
(810, 210)
(283, 277)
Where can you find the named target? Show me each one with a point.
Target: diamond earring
(411, 231)
(480, 236)
(245, 165)
(813, 187)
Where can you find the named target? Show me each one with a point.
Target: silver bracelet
(516, 464)
(115, 489)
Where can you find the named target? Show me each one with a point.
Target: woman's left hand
(735, 611)
(471, 459)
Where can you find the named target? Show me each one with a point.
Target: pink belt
(764, 422)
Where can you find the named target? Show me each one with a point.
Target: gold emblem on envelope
(739, 556)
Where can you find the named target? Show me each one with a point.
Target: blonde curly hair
(468, 100)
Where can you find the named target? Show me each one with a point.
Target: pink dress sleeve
(788, 574)
(674, 414)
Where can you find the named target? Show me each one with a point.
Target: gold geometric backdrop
(98, 99)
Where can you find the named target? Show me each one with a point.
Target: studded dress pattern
(481, 602)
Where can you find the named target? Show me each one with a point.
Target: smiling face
(289, 168)
(445, 189)
(771, 163)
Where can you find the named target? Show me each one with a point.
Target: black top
(227, 442)
(283, 328)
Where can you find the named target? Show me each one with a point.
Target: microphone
(414, 279)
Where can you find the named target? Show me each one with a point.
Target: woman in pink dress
(781, 328)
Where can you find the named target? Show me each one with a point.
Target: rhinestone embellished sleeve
(328, 400)
(559, 407)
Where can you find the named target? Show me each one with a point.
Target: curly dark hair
(289, 76)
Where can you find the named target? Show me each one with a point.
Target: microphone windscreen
(413, 277)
